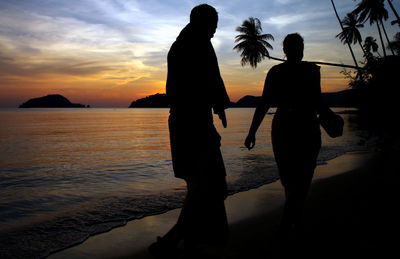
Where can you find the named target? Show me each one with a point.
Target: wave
(42, 237)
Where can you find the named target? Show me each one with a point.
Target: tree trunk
(341, 26)
(380, 36)
(394, 12)
(361, 46)
(320, 63)
(387, 38)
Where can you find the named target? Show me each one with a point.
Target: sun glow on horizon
(111, 53)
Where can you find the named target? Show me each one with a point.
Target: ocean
(67, 174)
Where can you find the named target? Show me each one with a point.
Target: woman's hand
(250, 141)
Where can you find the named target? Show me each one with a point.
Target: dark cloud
(68, 66)
(120, 77)
(155, 58)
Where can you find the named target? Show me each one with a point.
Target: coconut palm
(254, 46)
(350, 33)
(395, 44)
(341, 26)
(370, 45)
(373, 11)
(251, 43)
(395, 13)
(387, 39)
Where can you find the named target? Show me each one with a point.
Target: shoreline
(262, 204)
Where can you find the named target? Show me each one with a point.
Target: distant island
(152, 101)
(346, 98)
(51, 101)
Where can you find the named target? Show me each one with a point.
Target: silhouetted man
(195, 89)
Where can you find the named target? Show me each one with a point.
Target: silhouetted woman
(296, 139)
(195, 89)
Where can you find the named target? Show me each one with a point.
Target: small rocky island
(152, 101)
(51, 101)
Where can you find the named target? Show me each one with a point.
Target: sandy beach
(350, 213)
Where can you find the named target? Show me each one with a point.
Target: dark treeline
(346, 98)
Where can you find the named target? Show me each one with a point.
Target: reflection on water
(86, 170)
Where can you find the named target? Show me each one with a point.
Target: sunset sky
(107, 53)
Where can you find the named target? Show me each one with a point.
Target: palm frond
(251, 43)
(350, 32)
(371, 10)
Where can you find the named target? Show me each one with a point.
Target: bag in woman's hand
(332, 123)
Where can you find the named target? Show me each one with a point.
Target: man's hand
(250, 141)
(222, 117)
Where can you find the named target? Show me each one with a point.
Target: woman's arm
(322, 107)
(260, 112)
(258, 117)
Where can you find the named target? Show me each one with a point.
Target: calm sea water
(66, 174)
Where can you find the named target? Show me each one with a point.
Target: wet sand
(350, 213)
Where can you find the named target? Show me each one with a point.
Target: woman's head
(293, 46)
(204, 18)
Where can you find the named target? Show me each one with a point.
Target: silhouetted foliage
(377, 81)
(378, 97)
(373, 11)
(253, 45)
(370, 46)
(350, 32)
(395, 44)
(380, 107)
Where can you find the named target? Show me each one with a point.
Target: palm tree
(348, 42)
(395, 44)
(350, 33)
(370, 45)
(395, 13)
(253, 45)
(375, 12)
(387, 38)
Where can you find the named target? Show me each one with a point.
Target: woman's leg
(176, 233)
(295, 197)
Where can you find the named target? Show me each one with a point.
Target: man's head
(205, 19)
(293, 46)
